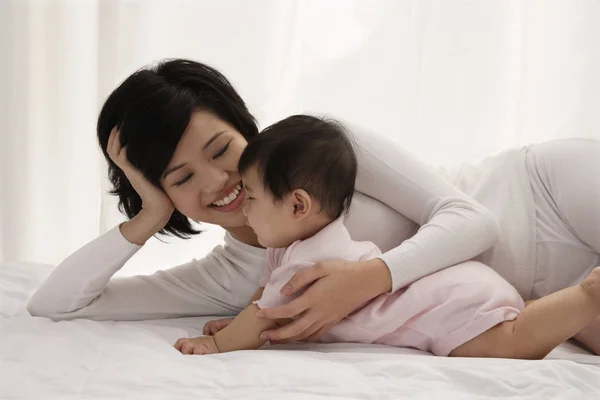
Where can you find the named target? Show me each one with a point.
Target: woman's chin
(234, 219)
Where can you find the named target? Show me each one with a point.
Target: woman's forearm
(82, 276)
(142, 227)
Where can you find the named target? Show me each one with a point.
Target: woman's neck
(245, 234)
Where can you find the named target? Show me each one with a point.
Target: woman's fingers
(303, 278)
(306, 333)
(117, 153)
(291, 330)
(318, 334)
(112, 140)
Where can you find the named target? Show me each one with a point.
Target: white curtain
(451, 80)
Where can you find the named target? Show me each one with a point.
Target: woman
(172, 136)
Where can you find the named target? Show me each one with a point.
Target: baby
(299, 179)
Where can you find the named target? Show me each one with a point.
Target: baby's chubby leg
(543, 325)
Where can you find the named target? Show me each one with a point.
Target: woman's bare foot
(591, 285)
(590, 335)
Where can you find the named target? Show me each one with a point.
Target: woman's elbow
(37, 306)
(491, 227)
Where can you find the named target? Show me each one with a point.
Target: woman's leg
(565, 178)
(570, 171)
(543, 325)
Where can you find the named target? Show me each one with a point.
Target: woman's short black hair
(309, 153)
(152, 108)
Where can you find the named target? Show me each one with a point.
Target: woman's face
(202, 178)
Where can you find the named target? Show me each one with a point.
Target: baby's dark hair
(309, 153)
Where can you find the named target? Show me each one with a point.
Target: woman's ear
(301, 204)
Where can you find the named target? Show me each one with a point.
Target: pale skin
(240, 333)
(335, 288)
(201, 172)
(542, 326)
(276, 224)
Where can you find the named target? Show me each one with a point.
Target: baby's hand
(214, 326)
(200, 345)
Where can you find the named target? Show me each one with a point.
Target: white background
(451, 80)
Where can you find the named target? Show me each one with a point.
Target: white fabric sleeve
(271, 296)
(453, 227)
(81, 286)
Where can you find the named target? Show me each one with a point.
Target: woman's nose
(213, 180)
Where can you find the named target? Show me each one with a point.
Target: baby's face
(271, 221)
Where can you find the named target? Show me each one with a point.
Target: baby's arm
(212, 327)
(244, 332)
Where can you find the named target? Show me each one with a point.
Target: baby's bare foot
(591, 285)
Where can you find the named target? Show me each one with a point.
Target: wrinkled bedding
(42, 359)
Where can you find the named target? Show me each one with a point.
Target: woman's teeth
(229, 198)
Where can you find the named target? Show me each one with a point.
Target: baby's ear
(302, 204)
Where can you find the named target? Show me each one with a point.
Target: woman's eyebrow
(171, 170)
(212, 139)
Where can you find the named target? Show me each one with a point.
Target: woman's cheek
(186, 204)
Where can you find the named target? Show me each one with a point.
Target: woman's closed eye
(222, 151)
(184, 180)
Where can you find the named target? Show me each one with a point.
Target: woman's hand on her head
(334, 289)
(157, 208)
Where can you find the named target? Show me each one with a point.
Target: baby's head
(299, 176)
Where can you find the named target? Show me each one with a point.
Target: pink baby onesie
(436, 313)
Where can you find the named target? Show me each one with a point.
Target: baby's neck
(313, 226)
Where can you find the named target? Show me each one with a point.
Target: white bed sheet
(42, 359)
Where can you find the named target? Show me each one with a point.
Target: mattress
(81, 359)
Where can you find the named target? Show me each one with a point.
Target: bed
(42, 359)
